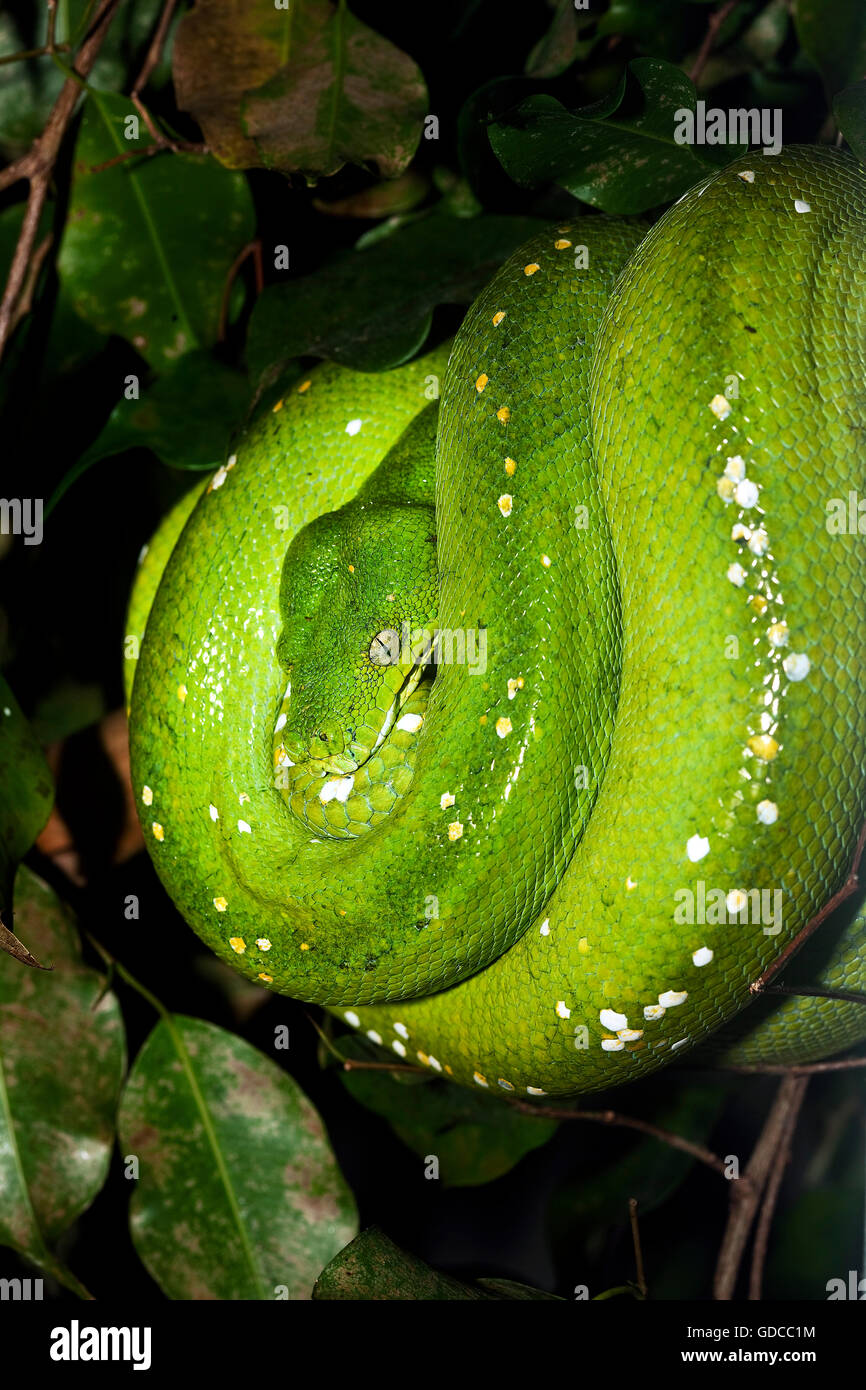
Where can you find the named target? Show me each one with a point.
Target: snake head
(357, 584)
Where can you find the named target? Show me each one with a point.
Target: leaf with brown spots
(25, 803)
(239, 1195)
(62, 1059)
(346, 96)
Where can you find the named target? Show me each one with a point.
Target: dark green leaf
(185, 418)
(26, 793)
(849, 108)
(833, 34)
(475, 1137)
(62, 1058)
(561, 45)
(371, 309)
(239, 1195)
(619, 154)
(149, 242)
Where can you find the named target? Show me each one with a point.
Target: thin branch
(715, 23)
(848, 996)
(612, 1117)
(26, 53)
(254, 249)
(154, 52)
(807, 1069)
(771, 1196)
(746, 1191)
(357, 1064)
(638, 1252)
(173, 146)
(38, 165)
(851, 884)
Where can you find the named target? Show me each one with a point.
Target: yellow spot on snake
(515, 683)
(351, 569)
(147, 796)
(446, 800)
(545, 560)
(158, 832)
(304, 386)
(481, 383)
(510, 467)
(503, 726)
(561, 244)
(505, 503)
(747, 175)
(304, 946)
(238, 944)
(220, 904)
(181, 693)
(503, 415)
(481, 1080)
(455, 831)
(268, 979)
(720, 407)
(277, 407)
(758, 603)
(777, 634)
(764, 747)
(531, 268)
(583, 946)
(497, 318)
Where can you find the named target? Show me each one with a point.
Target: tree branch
(612, 1117)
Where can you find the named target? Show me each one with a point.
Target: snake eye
(385, 648)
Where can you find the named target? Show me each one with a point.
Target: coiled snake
(620, 542)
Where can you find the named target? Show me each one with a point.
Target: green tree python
(604, 522)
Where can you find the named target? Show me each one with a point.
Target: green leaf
(561, 45)
(372, 309)
(849, 108)
(26, 793)
(475, 1137)
(620, 153)
(62, 1058)
(833, 34)
(149, 242)
(346, 96)
(186, 418)
(309, 88)
(373, 1268)
(239, 1195)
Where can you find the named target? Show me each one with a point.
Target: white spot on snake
(562, 1009)
(720, 407)
(797, 666)
(630, 883)
(410, 723)
(736, 901)
(735, 468)
(736, 574)
(479, 1079)
(630, 1034)
(609, 1018)
(353, 426)
(747, 175)
(759, 542)
(220, 904)
(612, 1045)
(437, 1066)
(505, 504)
(672, 997)
(506, 1085)
(545, 560)
(218, 479)
(213, 812)
(244, 827)
(544, 929)
(746, 494)
(338, 789)
(399, 1048)
(142, 553)
(263, 943)
(446, 800)
(778, 634)
(147, 796)
(698, 847)
(401, 1029)
(725, 489)
(653, 1012)
(352, 1018)
(535, 1091)
(455, 831)
(682, 1042)
(281, 723)
(374, 1036)
(503, 726)
(242, 797)
(702, 956)
(767, 812)
(800, 206)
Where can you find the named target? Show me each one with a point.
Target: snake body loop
(561, 866)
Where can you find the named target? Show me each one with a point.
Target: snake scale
(603, 521)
